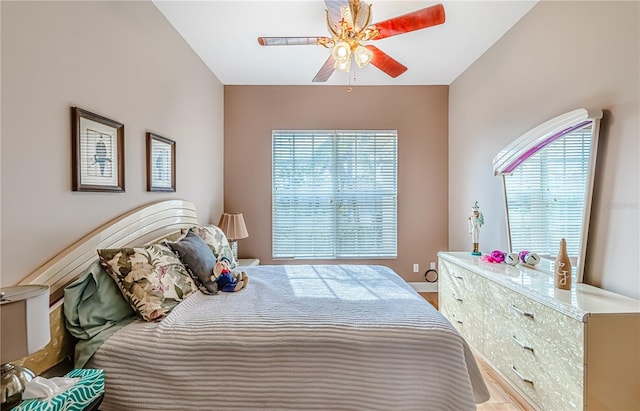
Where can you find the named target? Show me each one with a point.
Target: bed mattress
(341, 337)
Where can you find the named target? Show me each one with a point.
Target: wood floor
(503, 398)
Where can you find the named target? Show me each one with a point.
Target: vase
(562, 268)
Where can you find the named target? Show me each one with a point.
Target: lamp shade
(24, 321)
(233, 226)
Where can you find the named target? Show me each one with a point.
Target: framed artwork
(97, 157)
(161, 163)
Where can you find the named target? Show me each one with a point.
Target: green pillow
(93, 303)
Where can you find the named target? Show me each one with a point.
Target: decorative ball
(512, 258)
(498, 256)
(522, 255)
(532, 259)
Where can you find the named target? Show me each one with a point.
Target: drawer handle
(519, 311)
(456, 298)
(521, 344)
(515, 370)
(456, 319)
(457, 277)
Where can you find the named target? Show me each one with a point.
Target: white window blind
(334, 194)
(547, 195)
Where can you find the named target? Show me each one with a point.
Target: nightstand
(247, 262)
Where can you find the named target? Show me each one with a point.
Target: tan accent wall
(418, 113)
(562, 55)
(122, 60)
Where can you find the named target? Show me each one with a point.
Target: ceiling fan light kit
(349, 24)
(342, 50)
(362, 56)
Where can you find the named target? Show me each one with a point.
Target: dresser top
(580, 302)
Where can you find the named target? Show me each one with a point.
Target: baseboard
(424, 287)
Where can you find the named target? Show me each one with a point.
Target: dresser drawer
(506, 359)
(450, 282)
(461, 302)
(461, 284)
(556, 381)
(450, 288)
(455, 272)
(536, 385)
(547, 324)
(546, 353)
(465, 317)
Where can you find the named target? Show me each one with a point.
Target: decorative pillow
(177, 236)
(93, 303)
(151, 278)
(217, 242)
(199, 260)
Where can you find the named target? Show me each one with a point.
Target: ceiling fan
(349, 22)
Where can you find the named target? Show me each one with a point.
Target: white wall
(120, 59)
(562, 55)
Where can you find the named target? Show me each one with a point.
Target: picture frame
(161, 163)
(97, 145)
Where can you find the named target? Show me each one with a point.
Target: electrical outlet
(416, 268)
(432, 265)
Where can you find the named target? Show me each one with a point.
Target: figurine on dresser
(476, 220)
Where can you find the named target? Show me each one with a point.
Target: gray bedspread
(325, 337)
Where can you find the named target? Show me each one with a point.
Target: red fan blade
(385, 62)
(326, 70)
(289, 41)
(417, 20)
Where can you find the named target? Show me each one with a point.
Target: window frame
(378, 150)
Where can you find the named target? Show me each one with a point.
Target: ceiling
(224, 34)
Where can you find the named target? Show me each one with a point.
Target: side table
(247, 262)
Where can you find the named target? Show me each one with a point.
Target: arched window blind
(547, 195)
(334, 194)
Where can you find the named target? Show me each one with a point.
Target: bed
(343, 337)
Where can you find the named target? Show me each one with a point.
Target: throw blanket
(347, 337)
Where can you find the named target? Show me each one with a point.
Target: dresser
(563, 350)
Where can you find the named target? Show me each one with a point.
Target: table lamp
(232, 224)
(24, 323)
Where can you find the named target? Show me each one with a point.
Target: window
(334, 194)
(546, 195)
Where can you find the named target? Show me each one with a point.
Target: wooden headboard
(142, 225)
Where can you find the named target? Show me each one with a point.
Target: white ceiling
(224, 34)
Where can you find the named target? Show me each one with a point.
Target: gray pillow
(199, 260)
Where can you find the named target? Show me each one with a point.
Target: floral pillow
(217, 242)
(151, 278)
